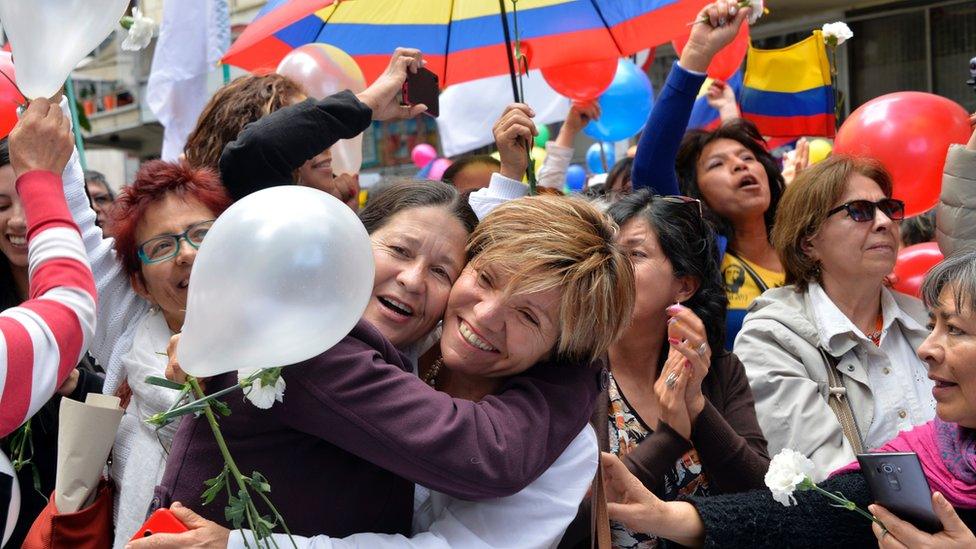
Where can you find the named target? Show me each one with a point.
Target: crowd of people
(689, 317)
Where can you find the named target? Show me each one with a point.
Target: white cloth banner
(469, 110)
(193, 36)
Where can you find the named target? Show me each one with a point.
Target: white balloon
(282, 276)
(49, 37)
(13, 508)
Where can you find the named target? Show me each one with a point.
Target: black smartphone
(898, 484)
(423, 87)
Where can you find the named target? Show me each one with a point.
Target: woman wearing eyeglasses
(159, 222)
(677, 409)
(831, 357)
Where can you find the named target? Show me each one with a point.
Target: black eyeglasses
(864, 210)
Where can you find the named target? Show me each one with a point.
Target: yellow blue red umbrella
(461, 39)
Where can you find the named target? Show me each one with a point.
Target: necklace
(875, 336)
(431, 377)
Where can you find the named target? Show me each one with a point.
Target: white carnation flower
(140, 32)
(758, 10)
(788, 470)
(265, 389)
(837, 33)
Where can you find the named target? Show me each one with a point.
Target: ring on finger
(670, 380)
(702, 348)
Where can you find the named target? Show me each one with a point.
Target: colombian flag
(788, 92)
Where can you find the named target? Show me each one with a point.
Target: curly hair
(154, 181)
(746, 133)
(234, 106)
(689, 244)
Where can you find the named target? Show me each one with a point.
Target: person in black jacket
(269, 151)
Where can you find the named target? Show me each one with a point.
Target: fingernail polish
(672, 320)
(733, 10)
(674, 309)
(687, 364)
(674, 342)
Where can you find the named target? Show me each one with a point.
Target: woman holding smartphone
(946, 448)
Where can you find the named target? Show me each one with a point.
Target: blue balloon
(625, 105)
(595, 163)
(575, 178)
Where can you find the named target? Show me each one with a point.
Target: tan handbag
(841, 406)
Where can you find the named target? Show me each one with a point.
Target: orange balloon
(910, 134)
(913, 263)
(10, 98)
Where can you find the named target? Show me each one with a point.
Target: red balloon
(727, 61)
(581, 81)
(10, 98)
(910, 134)
(913, 263)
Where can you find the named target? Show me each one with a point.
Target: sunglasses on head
(678, 199)
(864, 210)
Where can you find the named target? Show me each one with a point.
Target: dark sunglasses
(864, 210)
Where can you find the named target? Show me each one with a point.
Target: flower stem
(224, 451)
(848, 504)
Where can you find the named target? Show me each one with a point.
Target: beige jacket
(779, 346)
(955, 226)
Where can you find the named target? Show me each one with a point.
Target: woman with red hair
(142, 275)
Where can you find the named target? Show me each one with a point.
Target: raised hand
(41, 140)
(721, 97)
(513, 133)
(383, 95)
(724, 18)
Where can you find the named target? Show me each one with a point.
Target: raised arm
(45, 337)
(957, 203)
(269, 150)
(658, 145)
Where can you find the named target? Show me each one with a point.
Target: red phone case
(162, 521)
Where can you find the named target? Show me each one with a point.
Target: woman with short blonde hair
(831, 357)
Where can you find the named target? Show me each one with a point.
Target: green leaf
(220, 407)
(163, 382)
(259, 483)
(214, 486)
(235, 511)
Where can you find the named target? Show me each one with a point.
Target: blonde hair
(804, 206)
(547, 242)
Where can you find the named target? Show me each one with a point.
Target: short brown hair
(548, 242)
(803, 210)
(234, 106)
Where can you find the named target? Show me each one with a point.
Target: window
(953, 45)
(887, 54)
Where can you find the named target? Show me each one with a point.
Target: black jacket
(268, 151)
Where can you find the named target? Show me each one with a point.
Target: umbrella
(462, 40)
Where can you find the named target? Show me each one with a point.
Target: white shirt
(897, 377)
(534, 518)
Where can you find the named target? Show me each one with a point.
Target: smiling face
(164, 283)
(851, 250)
(317, 172)
(419, 253)
(732, 181)
(491, 330)
(13, 223)
(950, 353)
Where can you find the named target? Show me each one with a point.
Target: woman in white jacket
(831, 357)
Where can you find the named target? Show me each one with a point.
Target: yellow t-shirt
(741, 289)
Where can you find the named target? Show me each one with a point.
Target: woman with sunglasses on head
(678, 409)
(831, 357)
(729, 169)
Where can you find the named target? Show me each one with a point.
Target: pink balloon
(323, 70)
(438, 169)
(423, 154)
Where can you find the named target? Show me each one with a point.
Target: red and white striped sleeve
(44, 338)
